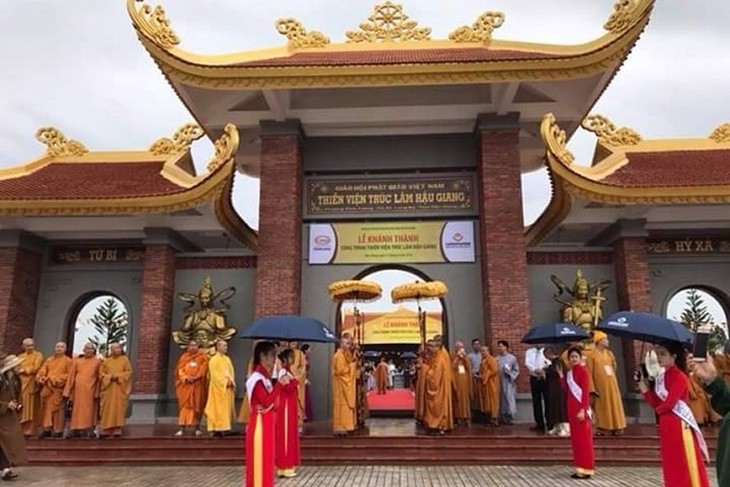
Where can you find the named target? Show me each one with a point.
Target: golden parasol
(418, 291)
(355, 290)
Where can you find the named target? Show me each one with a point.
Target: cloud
(78, 66)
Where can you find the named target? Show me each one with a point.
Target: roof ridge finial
(57, 144)
(153, 24)
(622, 16)
(298, 36)
(555, 139)
(721, 134)
(607, 132)
(181, 140)
(481, 30)
(225, 147)
(388, 23)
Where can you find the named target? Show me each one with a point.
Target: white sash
(254, 379)
(577, 392)
(683, 412)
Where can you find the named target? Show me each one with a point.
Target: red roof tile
(673, 168)
(398, 56)
(93, 180)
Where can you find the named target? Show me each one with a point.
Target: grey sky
(78, 66)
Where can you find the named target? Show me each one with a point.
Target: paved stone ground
(456, 476)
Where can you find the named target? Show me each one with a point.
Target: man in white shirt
(475, 357)
(536, 364)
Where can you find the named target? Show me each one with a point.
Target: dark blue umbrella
(371, 354)
(410, 355)
(555, 333)
(290, 329)
(646, 327)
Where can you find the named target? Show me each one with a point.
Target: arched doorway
(391, 335)
(100, 318)
(696, 306)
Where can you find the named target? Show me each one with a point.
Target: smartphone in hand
(702, 340)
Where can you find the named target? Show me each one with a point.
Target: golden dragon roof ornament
(57, 144)
(388, 23)
(225, 147)
(481, 30)
(180, 141)
(607, 132)
(622, 16)
(153, 23)
(721, 134)
(298, 36)
(555, 139)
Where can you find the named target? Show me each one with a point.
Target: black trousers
(4, 463)
(538, 389)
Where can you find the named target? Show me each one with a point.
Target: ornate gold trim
(555, 139)
(622, 17)
(181, 140)
(225, 147)
(153, 24)
(298, 36)
(721, 134)
(481, 30)
(231, 220)
(388, 23)
(57, 144)
(557, 210)
(607, 132)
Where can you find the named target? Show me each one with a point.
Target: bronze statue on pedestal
(584, 309)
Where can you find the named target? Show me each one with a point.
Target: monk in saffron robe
(191, 373)
(299, 369)
(82, 391)
(381, 376)
(52, 378)
(438, 417)
(576, 384)
(421, 373)
(245, 412)
(698, 402)
(608, 407)
(344, 369)
(31, 361)
(115, 385)
(287, 422)
(682, 445)
(462, 385)
(262, 395)
(221, 391)
(489, 376)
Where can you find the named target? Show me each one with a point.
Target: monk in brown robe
(489, 375)
(381, 376)
(245, 411)
(52, 378)
(299, 371)
(344, 403)
(191, 387)
(31, 362)
(115, 380)
(608, 408)
(439, 417)
(13, 451)
(462, 384)
(82, 391)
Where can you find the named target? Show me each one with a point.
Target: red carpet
(392, 400)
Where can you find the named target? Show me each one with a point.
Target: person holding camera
(683, 448)
(719, 392)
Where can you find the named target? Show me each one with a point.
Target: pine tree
(110, 323)
(695, 315)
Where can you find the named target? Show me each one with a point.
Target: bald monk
(344, 370)
(245, 411)
(115, 384)
(221, 391)
(381, 376)
(82, 391)
(191, 374)
(299, 371)
(31, 361)
(462, 384)
(608, 408)
(52, 378)
(489, 376)
(438, 417)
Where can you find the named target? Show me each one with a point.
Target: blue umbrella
(555, 333)
(371, 354)
(646, 327)
(289, 328)
(410, 355)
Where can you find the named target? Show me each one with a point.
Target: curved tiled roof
(677, 168)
